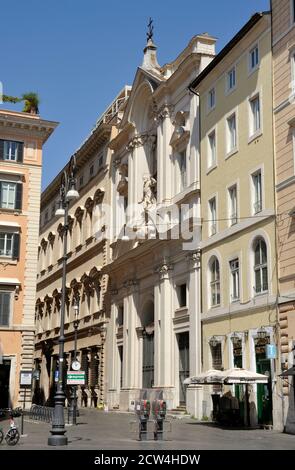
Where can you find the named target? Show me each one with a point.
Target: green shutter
(1, 149)
(19, 193)
(20, 153)
(16, 245)
(4, 308)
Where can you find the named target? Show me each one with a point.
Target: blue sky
(79, 54)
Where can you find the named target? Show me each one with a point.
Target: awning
(210, 377)
(288, 372)
(227, 377)
(243, 376)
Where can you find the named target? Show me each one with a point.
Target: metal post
(58, 423)
(24, 405)
(75, 386)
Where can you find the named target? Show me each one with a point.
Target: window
(81, 181)
(212, 149)
(235, 279)
(11, 150)
(100, 161)
(46, 217)
(254, 58)
(231, 79)
(260, 266)
(212, 216)
(91, 171)
(211, 99)
(182, 166)
(233, 205)
(255, 118)
(231, 133)
(257, 192)
(292, 62)
(10, 195)
(9, 245)
(53, 210)
(120, 315)
(181, 295)
(215, 282)
(4, 308)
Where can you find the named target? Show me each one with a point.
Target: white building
(154, 333)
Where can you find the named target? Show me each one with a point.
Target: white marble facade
(154, 333)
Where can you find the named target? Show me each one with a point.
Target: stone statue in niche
(149, 192)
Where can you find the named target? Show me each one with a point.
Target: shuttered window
(10, 195)
(9, 245)
(11, 150)
(4, 308)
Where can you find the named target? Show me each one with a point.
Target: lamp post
(68, 193)
(75, 363)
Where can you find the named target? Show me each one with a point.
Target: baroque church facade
(153, 336)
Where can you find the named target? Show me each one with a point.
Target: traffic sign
(26, 378)
(76, 377)
(271, 351)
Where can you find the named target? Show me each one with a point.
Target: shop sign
(271, 351)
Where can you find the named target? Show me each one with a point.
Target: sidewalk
(98, 430)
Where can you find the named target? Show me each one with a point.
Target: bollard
(143, 409)
(159, 412)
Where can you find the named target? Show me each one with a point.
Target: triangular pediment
(151, 78)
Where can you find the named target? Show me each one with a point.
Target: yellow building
(22, 136)
(239, 271)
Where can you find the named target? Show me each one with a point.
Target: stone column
(130, 345)
(165, 163)
(194, 392)
(165, 335)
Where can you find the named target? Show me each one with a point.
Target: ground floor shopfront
(16, 354)
(90, 354)
(241, 340)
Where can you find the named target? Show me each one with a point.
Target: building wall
(234, 239)
(283, 76)
(18, 339)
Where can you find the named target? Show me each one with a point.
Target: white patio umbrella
(209, 377)
(243, 376)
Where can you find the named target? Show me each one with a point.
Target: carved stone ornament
(79, 212)
(149, 192)
(122, 187)
(98, 196)
(44, 243)
(51, 237)
(165, 112)
(89, 204)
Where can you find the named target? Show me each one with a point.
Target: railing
(41, 413)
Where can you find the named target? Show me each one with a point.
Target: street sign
(56, 374)
(26, 378)
(271, 351)
(76, 377)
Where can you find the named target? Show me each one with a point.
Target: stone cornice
(27, 123)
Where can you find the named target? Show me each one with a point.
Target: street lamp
(68, 193)
(75, 364)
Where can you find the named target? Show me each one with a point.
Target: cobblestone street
(98, 430)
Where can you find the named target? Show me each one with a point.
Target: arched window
(260, 266)
(214, 282)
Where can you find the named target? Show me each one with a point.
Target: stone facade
(283, 26)
(154, 333)
(87, 253)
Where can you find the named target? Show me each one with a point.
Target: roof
(229, 46)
